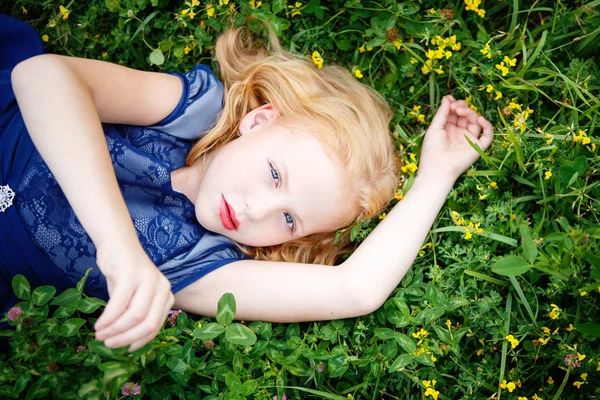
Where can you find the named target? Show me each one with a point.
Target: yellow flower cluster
(582, 137)
(510, 62)
(425, 247)
(382, 216)
(397, 44)
(521, 118)
(317, 59)
(489, 89)
(420, 334)
(473, 5)
(513, 342)
(429, 389)
(486, 51)
(536, 397)
(295, 9)
(508, 385)
(416, 114)
(578, 384)
(555, 312)
(358, 73)
(65, 13)
(469, 228)
(398, 196)
(361, 49)
(410, 167)
(255, 4)
(442, 52)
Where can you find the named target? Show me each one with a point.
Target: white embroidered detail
(6, 197)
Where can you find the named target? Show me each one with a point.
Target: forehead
(314, 179)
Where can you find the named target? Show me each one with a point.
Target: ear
(258, 118)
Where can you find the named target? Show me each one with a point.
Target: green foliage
(513, 253)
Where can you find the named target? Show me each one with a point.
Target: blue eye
(290, 223)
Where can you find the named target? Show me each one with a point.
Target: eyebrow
(287, 187)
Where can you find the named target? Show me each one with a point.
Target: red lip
(227, 215)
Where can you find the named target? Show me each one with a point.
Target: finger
(458, 103)
(468, 113)
(440, 117)
(149, 326)
(136, 312)
(452, 118)
(451, 98)
(474, 130)
(140, 343)
(115, 306)
(488, 133)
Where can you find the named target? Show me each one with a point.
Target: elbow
(35, 69)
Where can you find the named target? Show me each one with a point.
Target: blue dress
(40, 235)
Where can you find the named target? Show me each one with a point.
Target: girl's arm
(293, 292)
(60, 105)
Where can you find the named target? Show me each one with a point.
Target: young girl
(288, 155)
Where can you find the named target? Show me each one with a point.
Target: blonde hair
(351, 120)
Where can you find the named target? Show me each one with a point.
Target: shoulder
(201, 102)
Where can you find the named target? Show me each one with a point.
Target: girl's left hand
(445, 151)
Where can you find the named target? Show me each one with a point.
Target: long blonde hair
(351, 120)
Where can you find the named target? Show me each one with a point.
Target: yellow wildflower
(193, 14)
(549, 137)
(421, 118)
(546, 329)
(550, 380)
(24, 10)
(582, 293)
(513, 342)
(468, 234)
(357, 73)
(361, 49)
(473, 5)
(45, 38)
(184, 12)
(413, 60)
(187, 50)
(569, 328)
(426, 383)
(479, 352)
(498, 95)
(448, 323)
(317, 59)
(397, 44)
(547, 175)
(510, 62)
(494, 185)
(582, 137)
(223, 2)
(510, 386)
(543, 341)
(432, 392)
(65, 13)
(433, 359)
(581, 357)
(382, 216)
(199, 324)
(195, 3)
(536, 397)
(349, 395)
(410, 168)
(584, 376)
(555, 312)
(522, 398)
(482, 196)
(502, 68)
(431, 11)
(398, 196)
(577, 384)
(296, 10)
(210, 11)
(486, 51)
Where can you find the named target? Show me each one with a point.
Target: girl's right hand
(140, 297)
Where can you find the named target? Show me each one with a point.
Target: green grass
(540, 227)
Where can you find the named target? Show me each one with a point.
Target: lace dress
(40, 235)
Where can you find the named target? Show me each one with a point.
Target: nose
(262, 205)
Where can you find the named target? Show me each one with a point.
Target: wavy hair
(350, 120)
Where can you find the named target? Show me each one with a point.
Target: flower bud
(321, 367)
(53, 367)
(209, 344)
(27, 322)
(130, 13)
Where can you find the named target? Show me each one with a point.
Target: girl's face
(271, 185)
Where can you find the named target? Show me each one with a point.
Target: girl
(288, 155)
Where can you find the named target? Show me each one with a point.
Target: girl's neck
(186, 180)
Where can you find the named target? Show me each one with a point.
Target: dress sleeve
(200, 104)
(211, 252)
